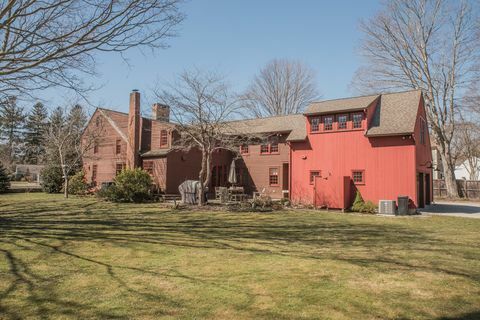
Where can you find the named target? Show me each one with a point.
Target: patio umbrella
(232, 175)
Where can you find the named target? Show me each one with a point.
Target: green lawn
(80, 258)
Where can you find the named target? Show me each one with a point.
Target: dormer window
(342, 121)
(315, 124)
(357, 120)
(327, 123)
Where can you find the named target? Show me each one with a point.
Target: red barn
(378, 145)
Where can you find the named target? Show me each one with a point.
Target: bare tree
(201, 105)
(282, 87)
(69, 140)
(47, 43)
(466, 146)
(424, 44)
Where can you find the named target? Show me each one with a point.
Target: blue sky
(237, 38)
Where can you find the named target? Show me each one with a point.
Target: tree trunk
(65, 191)
(201, 178)
(450, 180)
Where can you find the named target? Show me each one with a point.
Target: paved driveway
(456, 209)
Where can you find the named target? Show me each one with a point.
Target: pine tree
(12, 124)
(36, 126)
(4, 179)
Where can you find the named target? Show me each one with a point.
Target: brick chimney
(161, 112)
(134, 118)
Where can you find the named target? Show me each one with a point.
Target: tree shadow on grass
(369, 245)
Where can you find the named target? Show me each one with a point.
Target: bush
(359, 205)
(77, 184)
(4, 179)
(263, 202)
(130, 185)
(52, 179)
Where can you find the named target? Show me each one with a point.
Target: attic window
(423, 130)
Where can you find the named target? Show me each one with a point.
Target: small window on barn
(148, 167)
(273, 176)
(315, 124)
(342, 121)
(357, 120)
(423, 130)
(358, 176)
(328, 123)
(119, 167)
(118, 147)
(264, 148)
(95, 148)
(313, 174)
(163, 138)
(244, 149)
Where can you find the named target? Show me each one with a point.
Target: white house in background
(30, 172)
(462, 172)
(437, 172)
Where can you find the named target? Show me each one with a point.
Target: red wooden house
(376, 144)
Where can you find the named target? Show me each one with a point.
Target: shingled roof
(293, 124)
(395, 114)
(340, 105)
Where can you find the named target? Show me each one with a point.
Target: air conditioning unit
(387, 207)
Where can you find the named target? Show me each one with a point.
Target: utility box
(387, 207)
(402, 205)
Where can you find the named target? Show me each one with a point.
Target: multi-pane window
(163, 138)
(269, 148)
(119, 167)
(95, 148)
(358, 176)
(244, 149)
(118, 147)
(314, 174)
(315, 124)
(94, 173)
(328, 123)
(148, 167)
(357, 120)
(423, 129)
(342, 121)
(273, 176)
(273, 147)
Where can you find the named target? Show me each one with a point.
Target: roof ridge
(266, 118)
(367, 95)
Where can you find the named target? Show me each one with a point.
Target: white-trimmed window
(244, 149)
(273, 176)
(342, 121)
(163, 138)
(328, 123)
(358, 176)
(357, 119)
(315, 124)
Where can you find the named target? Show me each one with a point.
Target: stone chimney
(133, 147)
(161, 112)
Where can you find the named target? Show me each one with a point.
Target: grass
(84, 259)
